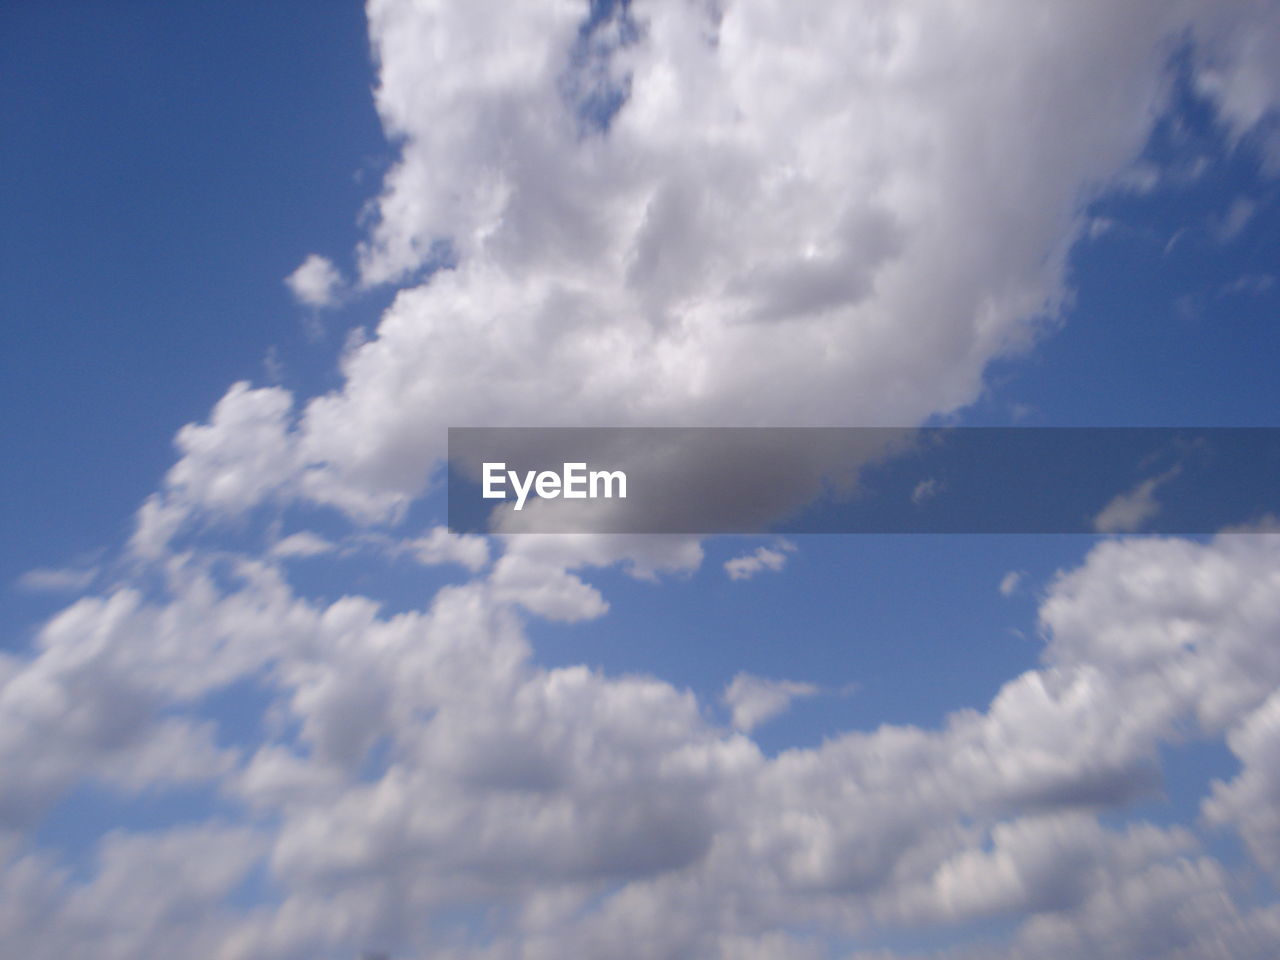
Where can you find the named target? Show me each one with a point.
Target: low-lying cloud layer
(606, 812)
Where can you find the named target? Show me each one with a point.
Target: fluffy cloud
(442, 546)
(596, 804)
(1251, 801)
(148, 896)
(763, 558)
(243, 455)
(316, 282)
(753, 700)
(757, 237)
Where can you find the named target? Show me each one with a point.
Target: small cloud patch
(316, 283)
(749, 565)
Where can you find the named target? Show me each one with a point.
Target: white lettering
(575, 483)
(548, 485)
(521, 491)
(609, 477)
(494, 474)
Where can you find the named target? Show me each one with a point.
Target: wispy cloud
(926, 490)
(1010, 582)
(57, 579)
(302, 544)
(754, 700)
(1128, 511)
(749, 565)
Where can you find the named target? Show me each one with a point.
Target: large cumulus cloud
(795, 215)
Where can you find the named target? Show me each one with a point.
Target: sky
(256, 701)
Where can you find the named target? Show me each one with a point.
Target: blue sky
(255, 702)
(180, 158)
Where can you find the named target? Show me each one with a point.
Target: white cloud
(156, 523)
(304, 543)
(546, 589)
(926, 490)
(1127, 512)
(443, 546)
(509, 780)
(1239, 71)
(244, 453)
(1251, 801)
(1252, 284)
(1100, 226)
(1235, 219)
(1010, 582)
(628, 269)
(754, 700)
(147, 895)
(540, 572)
(57, 579)
(316, 282)
(1179, 909)
(621, 277)
(761, 559)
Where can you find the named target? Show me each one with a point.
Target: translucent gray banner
(862, 480)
